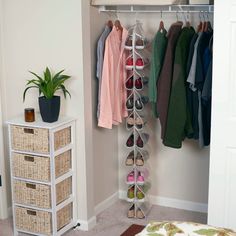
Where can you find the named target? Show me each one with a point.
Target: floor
(113, 221)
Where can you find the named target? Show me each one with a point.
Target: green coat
(178, 120)
(158, 52)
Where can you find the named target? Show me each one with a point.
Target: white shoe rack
(135, 52)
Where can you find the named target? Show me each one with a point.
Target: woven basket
(37, 139)
(39, 195)
(30, 139)
(64, 216)
(63, 163)
(41, 221)
(38, 168)
(62, 138)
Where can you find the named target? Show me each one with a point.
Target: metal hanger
(188, 20)
(161, 25)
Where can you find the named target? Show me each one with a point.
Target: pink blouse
(113, 93)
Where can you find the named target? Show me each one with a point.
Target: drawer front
(39, 195)
(64, 216)
(63, 190)
(40, 221)
(30, 139)
(38, 167)
(31, 167)
(33, 221)
(62, 138)
(63, 163)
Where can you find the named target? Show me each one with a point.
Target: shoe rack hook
(136, 18)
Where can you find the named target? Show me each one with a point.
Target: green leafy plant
(49, 84)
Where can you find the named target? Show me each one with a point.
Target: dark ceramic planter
(49, 108)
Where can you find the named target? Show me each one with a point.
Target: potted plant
(48, 85)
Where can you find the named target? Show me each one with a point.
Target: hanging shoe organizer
(137, 174)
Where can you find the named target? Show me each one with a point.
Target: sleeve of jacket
(176, 119)
(105, 117)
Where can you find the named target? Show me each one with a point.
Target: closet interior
(170, 174)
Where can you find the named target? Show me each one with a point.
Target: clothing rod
(126, 11)
(159, 9)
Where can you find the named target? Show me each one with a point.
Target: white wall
(177, 174)
(3, 191)
(49, 33)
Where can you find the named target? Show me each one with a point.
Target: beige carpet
(113, 221)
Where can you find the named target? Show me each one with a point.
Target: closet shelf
(156, 8)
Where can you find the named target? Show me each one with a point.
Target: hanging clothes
(192, 91)
(113, 93)
(100, 58)
(158, 53)
(203, 61)
(178, 124)
(192, 97)
(206, 98)
(165, 79)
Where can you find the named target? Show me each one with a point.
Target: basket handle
(32, 186)
(29, 158)
(28, 131)
(32, 213)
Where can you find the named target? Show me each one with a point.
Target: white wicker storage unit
(42, 176)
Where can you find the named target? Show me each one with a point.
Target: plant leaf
(65, 91)
(40, 79)
(27, 90)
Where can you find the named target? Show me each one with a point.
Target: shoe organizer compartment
(142, 139)
(135, 177)
(129, 43)
(131, 211)
(37, 139)
(40, 222)
(38, 167)
(130, 102)
(129, 64)
(135, 120)
(138, 160)
(130, 141)
(129, 83)
(131, 193)
(39, 195)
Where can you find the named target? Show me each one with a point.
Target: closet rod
(125, 11)
(160, 9)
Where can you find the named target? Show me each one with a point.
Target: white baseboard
(87, 225)
(106, 203)
(173, 203)
(179, 204)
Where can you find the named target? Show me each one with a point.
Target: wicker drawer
(30, 139)
(62, 138)
(37, 139)
(39, 195)
(41, 221)
(38, 168)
